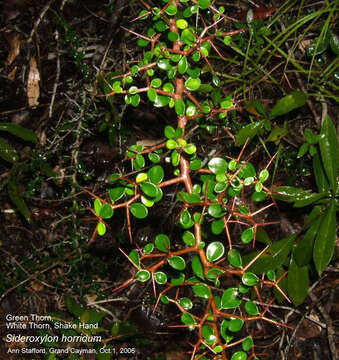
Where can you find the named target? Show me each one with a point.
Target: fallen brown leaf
(11, 75)
(14, 43)
(37, 286)
(33, 89)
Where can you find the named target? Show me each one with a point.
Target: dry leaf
(14, 43)
(33, 89)
(37, 286)
(11, 75)
(150, 142)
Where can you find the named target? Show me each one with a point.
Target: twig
(57, 74)
(329, 324)
(31, 277)
(38, 21)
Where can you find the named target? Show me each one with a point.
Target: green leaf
(298, 282)
(156, 174)
(213, 275)
(179, 280)
(189, 198)
(250, 279)
(192, 84)
(247, 344)
(195, 164)
(187, 319)
(201, 290)
(215, 251)
(247, 235)
(160, 277)
(73, 307)
(7, 152)
(139, 210)
(138, 162)
(334, 43)
(329, 150)
(217, 226)
(208, 334)
(230, 299)
(239, 355)
(248, 132)
(101, 227)
(188, 238)
(135, 257)
(186, 303)
(149, 189)
(299, 196)
(218, 165)
(218, 349)
(182, 65)
(302, 150)
(19, 131)
(187, 37)
(185, 219)
(164, 64)
(17, 200)
(319, 174)
(171, 10)
(319, 44)
(155, 158)
(143, 275)
(325, 240)
(190, 149)
(288, 103)
(177, 263)
(148, 248)
(152, 94)
(247, 171)
(162, 242)
(141, 177)
(277, 134)
(258, 196)
(173, 36)
(235, 325)
(180, 107)
(116, 194)
(135, 100)
(303, 251)
(251, 308)
(216, 210)
(263, 176)
(204, 4)
(106, 211)
(223, 330)
(146, 201)
(234, 258)
(161, 101)
(197, 267)
(310, 137)
(273, 257)
(182, 24)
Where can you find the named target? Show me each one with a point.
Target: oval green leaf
(177, 263)
(201, 290)
(230, 299)
(192, 84)
(215, 251)
(139, 210)
(162, 242)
